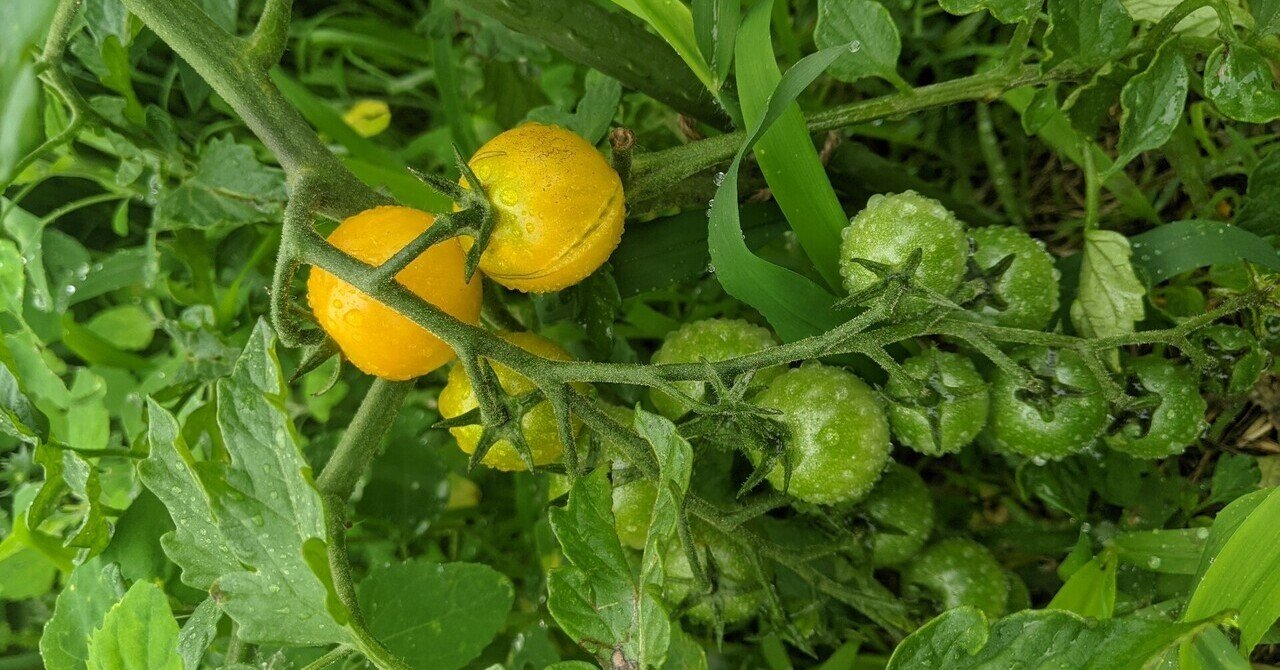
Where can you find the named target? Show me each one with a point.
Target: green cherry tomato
(957, 572)
(889, 229)
(711, 340)
(1065, 419)
(736, 590)
(1241, 360)
(1173, 422)
(632, 511)
(1020, 275)
(902, 510)
(839, 436)
(951, 411)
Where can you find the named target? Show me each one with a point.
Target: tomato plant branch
(270, 37)
(656, 171)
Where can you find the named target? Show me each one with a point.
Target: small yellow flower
(368, 117)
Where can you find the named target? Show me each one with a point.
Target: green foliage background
(169, 491)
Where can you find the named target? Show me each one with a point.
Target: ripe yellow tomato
(374, 337)
(538, 424)
(559, 207)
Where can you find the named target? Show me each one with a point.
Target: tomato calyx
(499, 415)
(932, 395)
(727, 416)
(474, 218)
(1138, 411)
(1052, 390)
(895, 281)
(982, 284)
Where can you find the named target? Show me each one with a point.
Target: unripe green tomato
(737, 592)
(1026, 294)
(902, 510)
(839, 435)
(712, 340)
(1066, 419)
(632, 511)
(1241, 359)
(956, 400)
(889, 229)
(1171, 426)
(958, 572)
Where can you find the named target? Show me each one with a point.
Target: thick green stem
(360, 443)
(656, 171)
(338, 480)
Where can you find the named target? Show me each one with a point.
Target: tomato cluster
(835, 432)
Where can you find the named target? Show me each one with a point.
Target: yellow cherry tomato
(559, 207)
(538, 424)
(374, 337)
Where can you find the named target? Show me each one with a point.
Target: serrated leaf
(229, 188)
(139, 633)
(961, 639)
(1239, 81)
(675, 464)
(597, 599)
(1201, 22)
(1152, 102)
(435, 615)
(867, 30)
(1005, 11)
(1109, 300)
(200, 628)
(1088, 33)
(87, 596)
(249, 529)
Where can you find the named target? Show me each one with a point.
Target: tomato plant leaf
(1201, 22)
(867, 30)
(1086, 32)
(197, 632)
(229, 188)
(597, 599)
(138, 631)
(245, 527)
(675, 463)
(435, 615)
(1238, 79)
(91, 590)
(1152, 101)
(1109, 299)
(1005, 11)
(962, 639)
(1258, 213)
